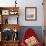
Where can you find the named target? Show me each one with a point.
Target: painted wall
(26, 3)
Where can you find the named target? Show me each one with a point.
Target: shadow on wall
(37, 29)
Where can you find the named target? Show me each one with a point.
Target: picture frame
(5, 12)
(30, 13)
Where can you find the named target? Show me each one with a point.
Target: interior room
(19, 16)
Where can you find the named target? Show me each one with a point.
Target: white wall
(27, 3)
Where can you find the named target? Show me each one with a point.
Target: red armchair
(30, 34)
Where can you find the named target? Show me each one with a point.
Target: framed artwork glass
(30, 13)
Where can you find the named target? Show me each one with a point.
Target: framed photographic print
(30, 13)
(5, 12)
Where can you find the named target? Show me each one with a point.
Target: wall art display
(30, 13)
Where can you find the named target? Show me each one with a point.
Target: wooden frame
(9, 11)
(30, 13)
(5, 12)
(0, 36)
(6, 24)
(0, 19)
